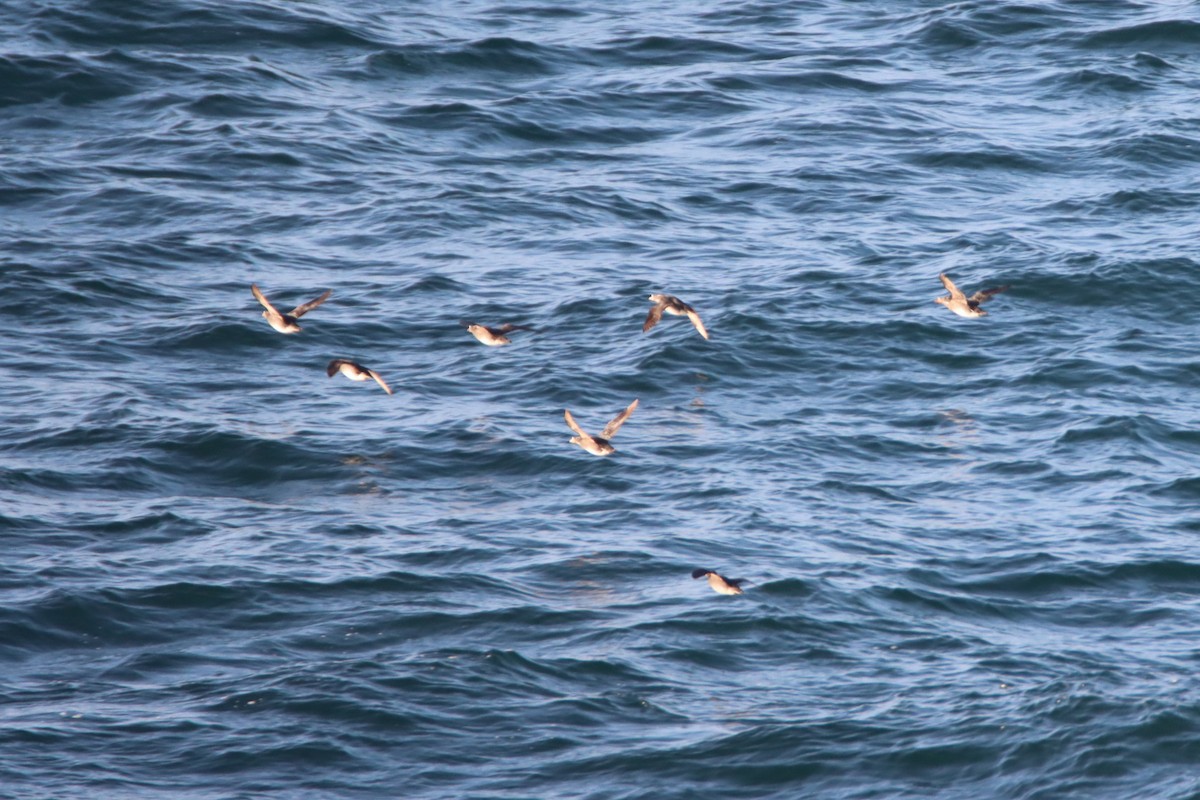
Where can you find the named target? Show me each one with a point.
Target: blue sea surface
(970, 546)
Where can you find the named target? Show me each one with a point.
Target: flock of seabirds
(599, 445)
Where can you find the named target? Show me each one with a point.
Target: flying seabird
(598, 445)
(672, 305)
(355, 372)
(286, 323)
(719, 583)
(493, 337)
(962, 305)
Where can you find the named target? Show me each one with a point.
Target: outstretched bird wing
(984, 294)
(653, 317)
(573, 425)
(263, 299)
(610, 430)
(695, 318)
(955, 293)
(379, 380)
(300, 311)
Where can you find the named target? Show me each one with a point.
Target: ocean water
(970, 546)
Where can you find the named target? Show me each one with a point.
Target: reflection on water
(959, 432)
